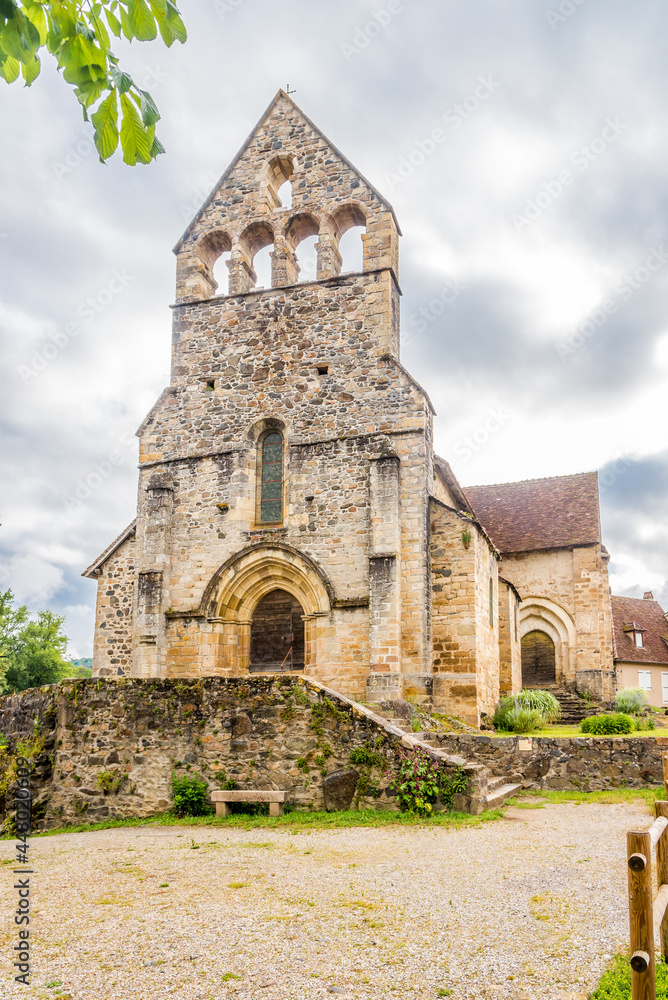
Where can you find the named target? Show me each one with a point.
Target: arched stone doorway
(539, 664)
(277, 633)
(239, 587)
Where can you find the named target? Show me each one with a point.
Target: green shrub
(515, 718)
(644, 722)
(612, 724)
(630, 701)
(191, 797)
(543, 701)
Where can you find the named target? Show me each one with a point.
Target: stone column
(284, 266)
(329, 258)
(155, 534)
(385, 579)
(242, 275)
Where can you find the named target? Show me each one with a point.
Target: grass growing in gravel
(293, 821)
(615, 983)
(611, 796)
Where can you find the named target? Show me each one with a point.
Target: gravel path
(532, 906)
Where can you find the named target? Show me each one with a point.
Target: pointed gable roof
(555, 513)
(281, 99)
(649, 618)
(95, 568)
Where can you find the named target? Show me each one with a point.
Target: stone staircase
(485, 791)
(573, 708)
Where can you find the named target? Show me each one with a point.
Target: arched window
(350, 224)
(271, 478)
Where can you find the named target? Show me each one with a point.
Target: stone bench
(222, 798)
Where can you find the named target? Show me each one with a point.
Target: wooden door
(538, 660)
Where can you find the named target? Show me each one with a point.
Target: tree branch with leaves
(78, 34)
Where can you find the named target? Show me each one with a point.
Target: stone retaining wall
(585, 763)
(109, 747)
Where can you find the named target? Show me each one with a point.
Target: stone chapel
(291, 512)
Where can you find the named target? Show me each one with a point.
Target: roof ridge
(540, 479)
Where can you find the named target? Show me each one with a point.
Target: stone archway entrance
(277, 633)
(539, 661)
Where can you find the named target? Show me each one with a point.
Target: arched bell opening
(277, 634)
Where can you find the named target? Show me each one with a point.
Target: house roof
(560, 512)
(648, 617)
(445, 471)
(94, 569)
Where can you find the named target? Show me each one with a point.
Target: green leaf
(114, 23)
(30, 71)
(157, 148)
(136, 139)
(9, 68)
(169, 21)
(105, 123)
(149, 112)
(142, 21)
(7, 8)
(20, 38)
(122, 81)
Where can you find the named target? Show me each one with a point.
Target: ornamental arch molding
(243, 581)
(543, 615)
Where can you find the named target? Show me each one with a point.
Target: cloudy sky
(523, 144)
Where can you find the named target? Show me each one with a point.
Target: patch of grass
(229, 975)
(611, 796)
(615, 983)
(294, 821)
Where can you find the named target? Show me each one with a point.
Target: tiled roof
(650, 617)
(94, 568)
(555, 513)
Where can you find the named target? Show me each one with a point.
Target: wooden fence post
(641, 917)
(661, 809)
(664, 758)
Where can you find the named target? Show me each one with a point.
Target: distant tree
(32, 652)
(79, 36)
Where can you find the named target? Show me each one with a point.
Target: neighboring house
(641, 646)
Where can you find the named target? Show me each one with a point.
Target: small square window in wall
(323, 369)
(645, 680)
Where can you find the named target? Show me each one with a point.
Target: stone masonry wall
(583, 763)
(111, 746)
(510, 651)
(577, 581)
(114, 619)
(465, 643)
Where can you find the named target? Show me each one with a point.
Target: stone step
(499, 795)
(495, 783)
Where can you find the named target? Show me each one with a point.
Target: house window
(491, 601)
(271, 478)
(645, 679)
(639, 640)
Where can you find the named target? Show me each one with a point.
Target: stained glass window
(271, 489)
